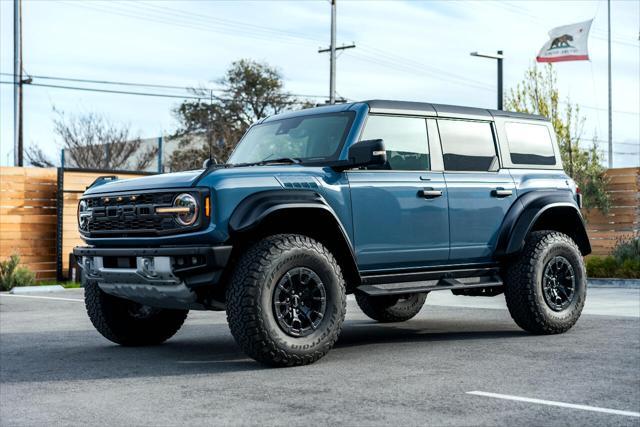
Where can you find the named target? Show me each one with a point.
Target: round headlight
(186, 200)
(83, 214)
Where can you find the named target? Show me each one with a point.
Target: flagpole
(609, 76)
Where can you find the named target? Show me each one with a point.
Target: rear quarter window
(529, 144)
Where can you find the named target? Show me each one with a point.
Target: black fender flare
(527, 209)
(257, 207)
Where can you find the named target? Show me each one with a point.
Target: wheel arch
(542, 210)
(300, 212)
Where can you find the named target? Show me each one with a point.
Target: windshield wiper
(287, 160)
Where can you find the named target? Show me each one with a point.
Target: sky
(405, 50)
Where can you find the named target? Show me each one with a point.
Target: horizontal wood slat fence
(38, 214)
(73, 184)
(28, 209)
(623, 219)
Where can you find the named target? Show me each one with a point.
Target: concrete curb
(21, 290)
(614, 283)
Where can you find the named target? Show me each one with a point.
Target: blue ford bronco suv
(386, 200)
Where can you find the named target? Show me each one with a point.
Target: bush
(12, 274)
(627, 249)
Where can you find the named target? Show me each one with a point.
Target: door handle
(430, 193)
(501, 192)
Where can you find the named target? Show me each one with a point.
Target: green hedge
(624, 263)
(610, 267)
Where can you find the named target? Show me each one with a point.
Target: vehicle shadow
(199, 349)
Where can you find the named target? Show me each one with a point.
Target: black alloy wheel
(299, 302)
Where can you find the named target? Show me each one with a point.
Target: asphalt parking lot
(55, 369)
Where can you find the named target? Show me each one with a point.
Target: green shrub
(627, 249)
(12, 274)
(610, 267)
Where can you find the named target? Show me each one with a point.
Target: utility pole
(609, 76)
(499, 56)
(332, 54)
(17, 83)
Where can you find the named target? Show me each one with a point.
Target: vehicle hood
(167, 180)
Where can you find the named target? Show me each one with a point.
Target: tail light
(579, 197)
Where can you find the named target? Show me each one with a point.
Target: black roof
(428, 109)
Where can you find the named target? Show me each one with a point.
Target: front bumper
(161, 277)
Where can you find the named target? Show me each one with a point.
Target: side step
(431, 285)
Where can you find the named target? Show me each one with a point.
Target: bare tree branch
(91, 141)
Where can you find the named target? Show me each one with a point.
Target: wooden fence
(72, 184)
(28, 218)
(623, 219)
(38, 214)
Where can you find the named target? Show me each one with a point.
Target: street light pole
(499, 56)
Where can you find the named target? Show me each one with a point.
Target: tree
(36, 157)
(90, 141)
(250, 91)
(538, 94)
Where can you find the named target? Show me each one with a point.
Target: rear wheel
(129, 323)
(286, 301)
(392, 308)
(545, 287)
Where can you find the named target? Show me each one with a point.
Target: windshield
(310, 138)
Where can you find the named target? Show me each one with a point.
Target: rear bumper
(161, 277)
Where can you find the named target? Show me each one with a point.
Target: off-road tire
(116, 318)
(523, 284)
(250, 297)
(392, 308)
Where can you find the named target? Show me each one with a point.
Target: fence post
(59, 220)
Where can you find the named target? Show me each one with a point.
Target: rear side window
(405, 139)
(529, 144)
(467, 146)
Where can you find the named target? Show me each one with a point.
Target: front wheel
(286, 301)
(546, 287)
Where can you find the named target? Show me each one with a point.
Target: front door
(400, 211)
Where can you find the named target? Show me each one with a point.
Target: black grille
(121, 215)
(132, 199)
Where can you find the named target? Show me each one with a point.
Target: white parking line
(39, 297)
(554, 403)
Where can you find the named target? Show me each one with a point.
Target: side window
(405, 139)
(467, 146)
(529, 144)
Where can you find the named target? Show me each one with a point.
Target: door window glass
(467, 145)
(405, 139)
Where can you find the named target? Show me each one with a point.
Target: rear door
(480, 193)
(400, 211)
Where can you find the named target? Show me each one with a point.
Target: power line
(109, 82)
(161, 86)
(121, 92)
(509, 7)
(390, 62)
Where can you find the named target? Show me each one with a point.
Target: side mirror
(367, 153)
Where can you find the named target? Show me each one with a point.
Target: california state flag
(566, 43)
